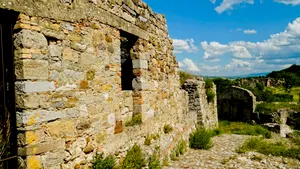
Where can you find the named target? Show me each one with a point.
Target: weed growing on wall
(136, 120)
(168, 128)
(134, 158)
(101, 162)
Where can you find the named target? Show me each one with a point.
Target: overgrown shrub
(200, 139)
(99, 162)
(134, 158)
(210, 95)
(136, 120)
(168, 128)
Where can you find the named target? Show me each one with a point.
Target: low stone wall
(206, 112)
(236, 104)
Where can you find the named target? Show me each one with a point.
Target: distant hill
(294, 69)
(239, 76)
(291, 75)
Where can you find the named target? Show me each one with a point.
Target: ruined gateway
(85, 68)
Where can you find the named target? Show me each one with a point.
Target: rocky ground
(223, 156)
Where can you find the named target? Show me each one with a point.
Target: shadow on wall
(236, 104)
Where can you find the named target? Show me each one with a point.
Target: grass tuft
(101, 162)
(136, 120)
(200, 139)
(168, 128)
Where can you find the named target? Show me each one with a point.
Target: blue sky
(232, 37)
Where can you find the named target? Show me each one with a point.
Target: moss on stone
(90, 75)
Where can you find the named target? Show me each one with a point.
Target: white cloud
(189, 65)
(229, 4)
(282, 45)
(248, 31)
(213, 50)
(213, 1)
(288, 2)
(216, 68)
(186, 45)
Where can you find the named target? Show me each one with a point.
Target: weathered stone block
(33, 87)
(55, 50)
(31, 39)
(37, 116)
(53, 159)
(31, 69)
(42, 147)
(140, 64)
(62, 129)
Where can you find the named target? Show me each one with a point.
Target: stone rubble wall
(206, 113)
(267, 82)
(236, 104)
(70, 104)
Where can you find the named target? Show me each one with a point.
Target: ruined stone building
(82, 70)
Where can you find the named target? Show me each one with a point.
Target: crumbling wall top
(133, 16)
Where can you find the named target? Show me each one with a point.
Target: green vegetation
(267, 108)
(243, 129)
(200, 139)
(99, 162)
(136, 120)
(178, 150)
(269, 148)
(296, 141)
(134, 158)
(209, 92)
(209, 83)
(185, 76)
(153, 162)
(291, 76)
(168, 128)
(149, 138)
(223, 84)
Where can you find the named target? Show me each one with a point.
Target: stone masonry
(236, 104)
(70, 100)
(207, 115)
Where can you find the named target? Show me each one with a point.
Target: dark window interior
(127, 42)
(8, 135)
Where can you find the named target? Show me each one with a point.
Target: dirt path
(223, 155)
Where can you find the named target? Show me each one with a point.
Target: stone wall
(236, 104)
(267, 82)
(206, 112)
(68, 66)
